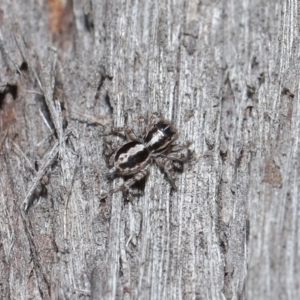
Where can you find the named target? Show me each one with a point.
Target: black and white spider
(156, 145)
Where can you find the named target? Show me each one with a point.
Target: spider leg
(155, 116)
(142, 125)
(128, 132)
(127, 184)
(178, 157)
(180, 147)
(166, 165)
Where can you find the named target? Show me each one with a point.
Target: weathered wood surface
(226, 73)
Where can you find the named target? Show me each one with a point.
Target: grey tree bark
(226, 73)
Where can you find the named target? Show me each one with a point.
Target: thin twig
(47, 162)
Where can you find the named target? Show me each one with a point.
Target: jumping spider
(156, 145)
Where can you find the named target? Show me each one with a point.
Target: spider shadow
(136, 190)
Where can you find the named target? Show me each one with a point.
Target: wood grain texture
(226, 73)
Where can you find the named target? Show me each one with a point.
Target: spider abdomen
(131, 158)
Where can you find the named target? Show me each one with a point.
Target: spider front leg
(180, 147)
(154, 118)
(142, 125)
(177, 157)
(128, 183)
(165, 164)
(128, 132)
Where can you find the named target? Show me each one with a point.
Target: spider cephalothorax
(156, 145)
